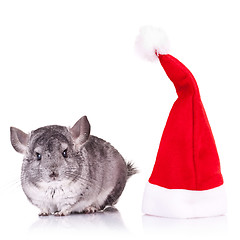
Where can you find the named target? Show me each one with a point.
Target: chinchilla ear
(81, 130)
(19, 139)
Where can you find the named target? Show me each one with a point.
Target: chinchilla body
(68, 170)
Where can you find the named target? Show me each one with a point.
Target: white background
(60, 60)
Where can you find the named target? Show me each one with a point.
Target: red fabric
(187, 157)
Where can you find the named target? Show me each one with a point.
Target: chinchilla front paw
(62, 213)
(43, 214)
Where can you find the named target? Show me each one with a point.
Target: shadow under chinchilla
(108, 222)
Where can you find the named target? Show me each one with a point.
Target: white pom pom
(150, 41)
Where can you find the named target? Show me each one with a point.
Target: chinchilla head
(51, 153)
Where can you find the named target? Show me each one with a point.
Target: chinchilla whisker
(78, 178)
(76, 175)
(11, 185)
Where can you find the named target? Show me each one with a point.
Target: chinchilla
(67, 170)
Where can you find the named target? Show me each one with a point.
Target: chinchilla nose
(53, 171)
(54, 174)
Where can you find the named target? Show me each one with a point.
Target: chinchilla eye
(39, 157)
(64, 153)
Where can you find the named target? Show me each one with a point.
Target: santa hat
(186, 181)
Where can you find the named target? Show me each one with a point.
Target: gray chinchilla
(68, 170)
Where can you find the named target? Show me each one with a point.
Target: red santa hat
(186, 181)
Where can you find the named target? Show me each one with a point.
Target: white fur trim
(149, 40)
(181, 203)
